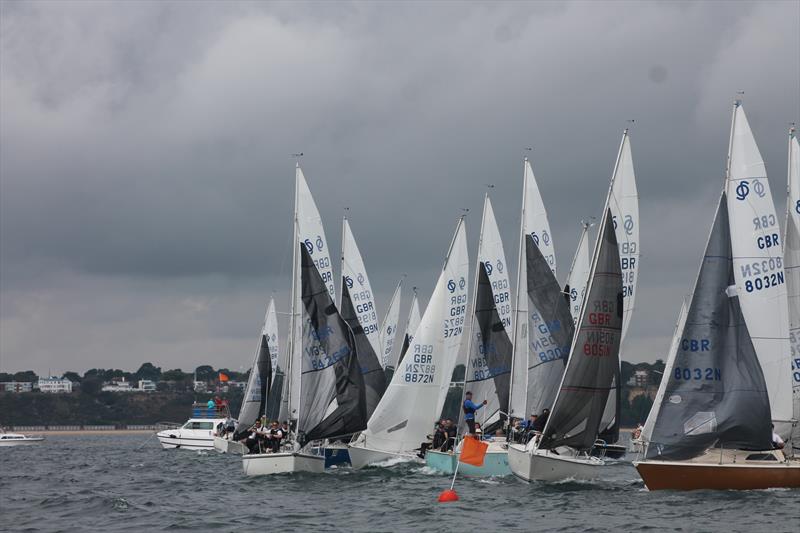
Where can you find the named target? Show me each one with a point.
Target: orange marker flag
(223, 377)
(473, 451)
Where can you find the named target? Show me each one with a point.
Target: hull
(495, 463)
(361, 457)
(229, 446)
(664, 475)
(336, 456)
(21, 442)
(171, 442)
(265, 464)
(543, 465)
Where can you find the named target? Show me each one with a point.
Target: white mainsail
(389, 327)
(624, 204)
(419, 385)
(791, 243)
(758, 265)
(271, 332)
(579, 273)
(355, 276)
(534, 223)
(489, 352)
(308, 230)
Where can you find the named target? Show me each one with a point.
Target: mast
(520, 316)
(290, 367)
(344, 241)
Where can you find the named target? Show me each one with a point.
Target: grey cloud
(144, 148)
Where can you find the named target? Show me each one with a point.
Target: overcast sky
(146, 180)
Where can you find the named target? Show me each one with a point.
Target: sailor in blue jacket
(469, 411)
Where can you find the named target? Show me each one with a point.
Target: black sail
(374, 376)
(254, 403)
(716, 394)
(594, 357)
(333, 350)
(550, 322)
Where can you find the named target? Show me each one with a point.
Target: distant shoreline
(75, 432)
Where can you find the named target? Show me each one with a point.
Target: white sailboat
(389, 330)
(758, 265)
(325, 396)
(579, 272)
(538, 359)
(563, 449)
(259, 383)
(416, 394)
(791, 243)
(488, 369)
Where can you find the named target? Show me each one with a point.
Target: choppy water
(115, 483)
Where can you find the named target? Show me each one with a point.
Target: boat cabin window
(761, 457)
(198, 425)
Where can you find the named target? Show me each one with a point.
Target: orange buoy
(448, 495)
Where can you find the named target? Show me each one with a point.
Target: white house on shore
(54, 385)
(118, 385)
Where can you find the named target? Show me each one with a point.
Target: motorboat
(18, 439)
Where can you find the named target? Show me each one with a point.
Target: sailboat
(389, 331)
(569, 434)
(326, 391)
(791, 243)
(579, 273)
(257, 392)
(416, 394)
(711, 428)
(488, 369)
(542, 323)
(624, 205)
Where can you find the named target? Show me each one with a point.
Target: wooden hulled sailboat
(710, 427)
(562, 452)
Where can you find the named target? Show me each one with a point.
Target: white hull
(229, 446)
(185, 443)
(27, 441)
(264, 464)
(544, 465)
(361, 457)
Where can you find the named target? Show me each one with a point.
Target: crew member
(777, 441)
(469, 411)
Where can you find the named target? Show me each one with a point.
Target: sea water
(128, 483)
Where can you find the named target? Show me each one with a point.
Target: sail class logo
(742, 190)
(320, 243)
(349, 281)
(759, 188)
(462, 283)
(309, 246)
(451, 286)
(628, 225)
(489, 268)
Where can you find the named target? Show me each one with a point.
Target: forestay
(330, 364)
(579, 273)
(715, 394)
(594, 357)
(792, 258)
(415, 397)
(488, 370)
(533, 223)
(389, 327)
(758, 266)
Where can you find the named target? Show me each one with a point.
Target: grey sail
(491, 379)
(549, 316)
(374, 376)
(258, 387)
(716, 394)
(594, 356)
(330, 364)
(274, 400)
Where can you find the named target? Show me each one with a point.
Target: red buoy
(448, 495)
